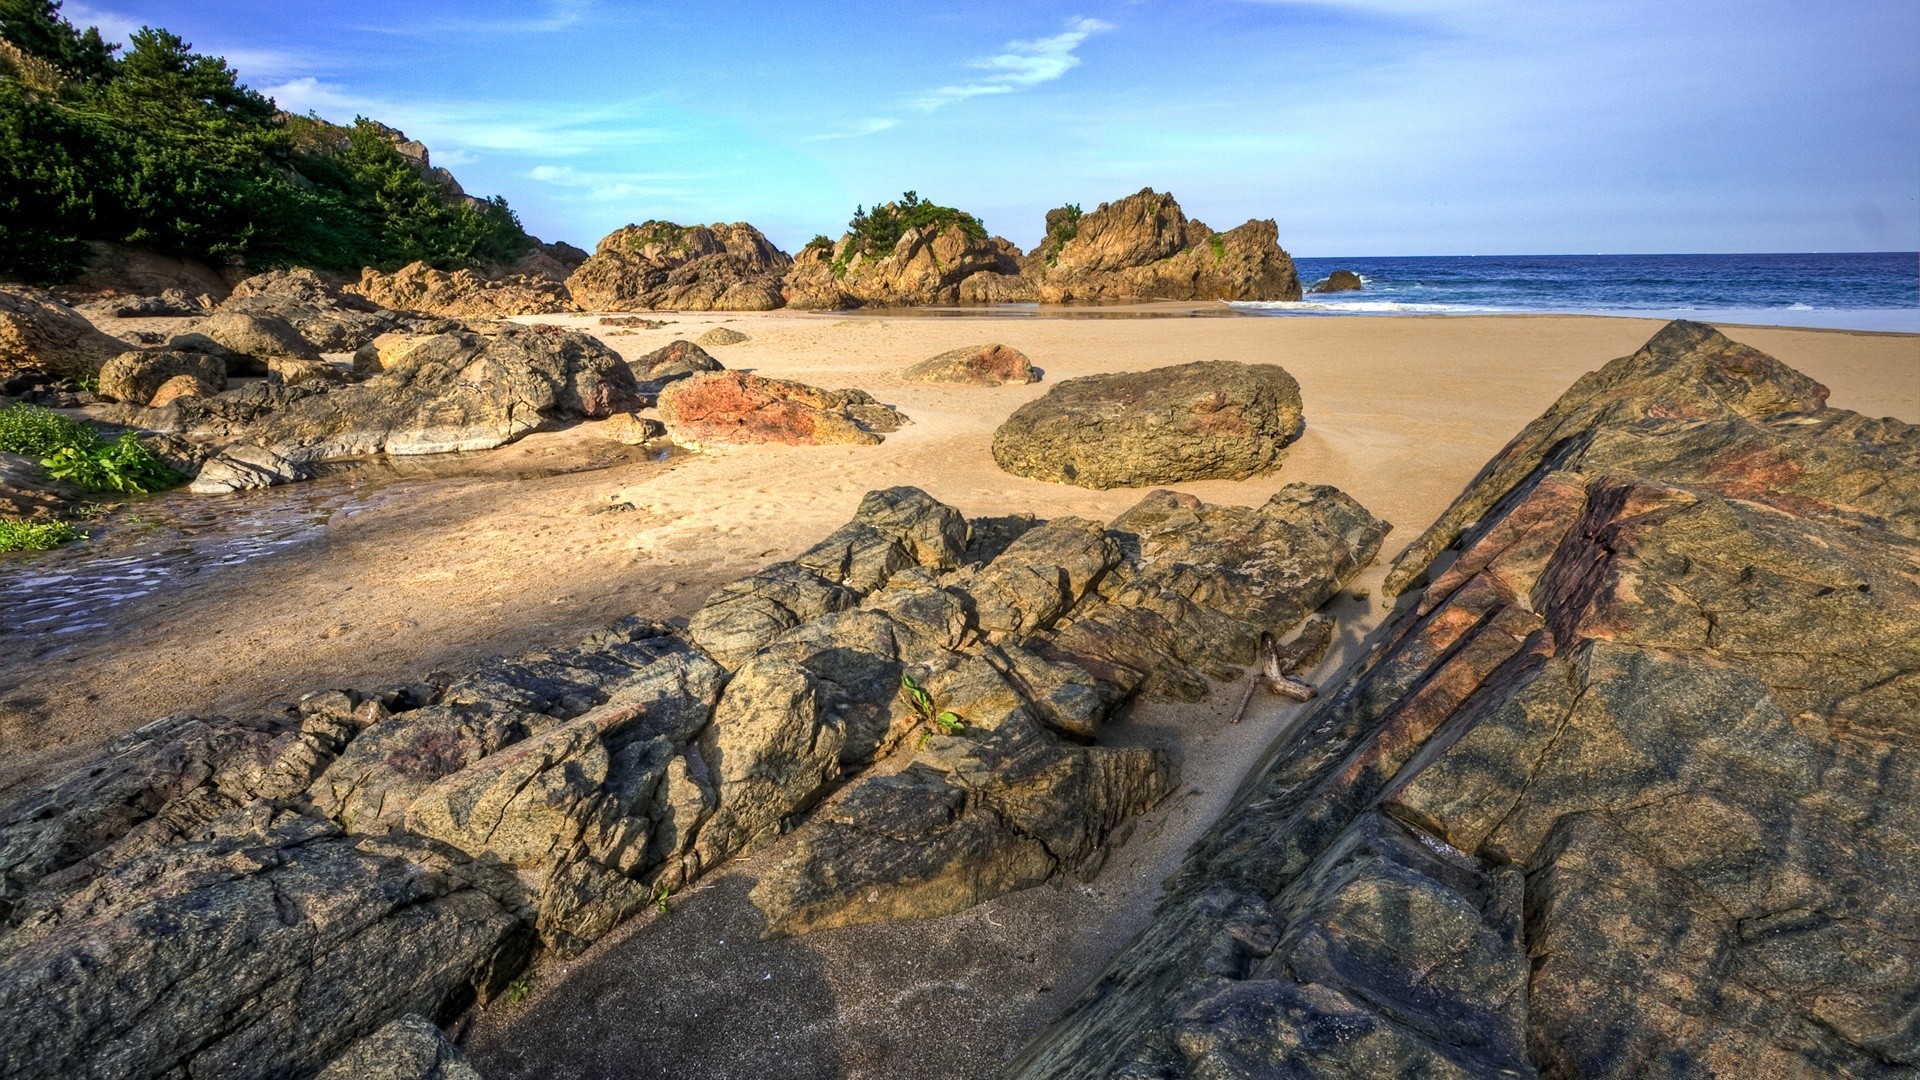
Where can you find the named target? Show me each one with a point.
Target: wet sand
(546, 540)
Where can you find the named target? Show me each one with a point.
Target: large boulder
(257, 335)
(1338, 282)
(660, 266)
(136, 376)
(318, 306)
(675, 360)
(1145, 247)
(40, 334)
(1626, 790)
(456, 391)
(926, 266)
(461, 294)
(1200, 421)
(735, 407)
(978, 365)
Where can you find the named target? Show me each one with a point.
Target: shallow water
(168, 539)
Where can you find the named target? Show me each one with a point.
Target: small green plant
(937, 719)
(662, 899)
(18, 535)
(518, 990)
(1219, 246)
(819, 243)
(36, 432)
(1063, 224)
(124, 465)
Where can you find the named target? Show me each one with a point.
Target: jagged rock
(294, 372)
(1205, 420)
(675, 360)
(734, 407)
(633, 322)
(181, 386)
(980, 365)
(136, 377)
(1628, 791)
(722, 335)
(40, 334)
(1145, 247)
(244, 467)
(1339, 281)
(456, 391)
(461, 294)
(171, 303)
(329, 317)
(409, 1048)
(225, 415)
(256, 335)
(926, 266)
(660, 266)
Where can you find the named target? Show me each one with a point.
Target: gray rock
(1211, 420)
(409, 1048)
(242, 467)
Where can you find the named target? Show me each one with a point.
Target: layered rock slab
(1206, 420)
(462, 294)
(1631, 786)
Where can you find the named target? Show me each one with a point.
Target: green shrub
(18, 535)
(1219, 246)
(166, 149)
(819, 243)
(71, 451)
(877, 233)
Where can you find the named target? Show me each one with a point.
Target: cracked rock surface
(1629, 789)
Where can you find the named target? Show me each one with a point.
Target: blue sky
(1364, 127)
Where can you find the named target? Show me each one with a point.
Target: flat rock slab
(1209, 420)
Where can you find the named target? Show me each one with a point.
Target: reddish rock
(983, 365)
(734, 407)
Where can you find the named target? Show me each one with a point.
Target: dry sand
(1401, 413)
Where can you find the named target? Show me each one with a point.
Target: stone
(722, 335)
(926, 266)
(1145, 247)
(318, 306)
(40, 334)
(409, 1048)
(675, 360)
(735, 407)
(137, 377)
(979, 365)
(1199, 421)
(181, 386)
(257, 335)
(661, 266)
(1625, 790)
(462, 294)
(291, 372)
(1339, 281)
(244, 467)
(121, 270)
(631, 429)
(455, 391)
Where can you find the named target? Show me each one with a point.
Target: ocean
(1854, 291)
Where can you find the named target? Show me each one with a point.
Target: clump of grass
(518, 990)
(1219, 246)
(71, 451)
(18, 535)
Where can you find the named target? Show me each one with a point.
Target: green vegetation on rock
(77, 454)
(166, 149)
(877, 232)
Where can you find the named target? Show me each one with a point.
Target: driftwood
(1279, 662)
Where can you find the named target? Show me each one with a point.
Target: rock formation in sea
(661, 266)
(1339, 281)
(1627, 788)
(268, 895)
(1208, 420)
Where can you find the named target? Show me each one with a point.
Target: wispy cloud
(540, 129)
(553, 17)
(1024, 64)
(858, 129)
(615, 186)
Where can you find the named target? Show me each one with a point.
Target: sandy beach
(541, 542)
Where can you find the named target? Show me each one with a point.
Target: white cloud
(614, 186)
(856, 130)
(1024, 64)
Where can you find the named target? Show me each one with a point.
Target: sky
(1363, 127)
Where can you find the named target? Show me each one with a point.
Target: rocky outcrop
(257, 336)
(1627, 790)
(120, 271)
(1144, 247)
(1339, 281)
(40, 334)
(926, 266)
(136, 377)
(977, 365)
(462, 294)
(735, 407)
(410, 1048)
(266, 895)
(1206, 420)
(675, 360)
(328, 316)
(660, 266)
